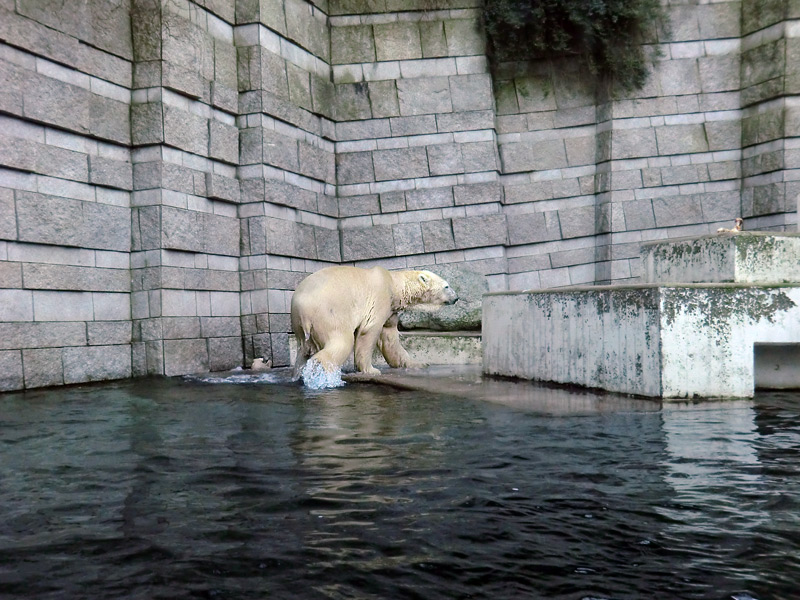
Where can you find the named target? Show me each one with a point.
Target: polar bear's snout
(450, 296)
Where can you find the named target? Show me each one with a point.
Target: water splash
(235, 378)
(317, 378)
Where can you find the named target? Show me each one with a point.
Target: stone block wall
(65, 183)
(171, 169)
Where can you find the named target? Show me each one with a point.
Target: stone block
(11, 87)
(67, 277)
(400, 163)
(280, 349)
(352, 102)
(538, 156)
(109, 119)
(432, 38)
(471, 92)
(220, 327)
(724, 135)
(351, 206)
(41, 335)
(219, 234)
(464, 37)
(429, 198)
(367, 243)
(181, 229)
(393, 202)
(354, 167)
(96, 363)
(403, 126)
(445, 159)
(328, 245)
(424, 95)
(185, 130)
(290, 195)
(110, 306)
(478, 193)
(677, 210)
(634, 143)
(111, 173)
(638, 215)
(534, 93)
(224, 353)
(528, 192)
(681, 139)
(42, 367)
(720, 206)
(533, 228)
(54, 102)
(299, 86)
(182, 357)
(11, 377)
(679, 77)
(408, 238)
(479, 156)
(437, 236)
(383, 99)
(483, 230)
(104, 333)
(223, 142)
(317, 163)
(221, 187)
(352, 44)
(10, 275)
(578, 222)
(580, 150)
(280, 237)
(399, 40)
(62, 306)
(8, 218)
(719, 73)
(147, 124)
(323, 95)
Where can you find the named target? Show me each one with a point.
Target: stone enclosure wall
(171, 169)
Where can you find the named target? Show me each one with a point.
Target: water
(180, 489)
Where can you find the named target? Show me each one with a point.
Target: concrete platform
(429, 347)
(670, 340)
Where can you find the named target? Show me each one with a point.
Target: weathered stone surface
(11, 377)
(354, 44)
(354, 167)
(224, 353)
(96, 363)
(110, 172)
(424, 95)
(8, 219)
(408, 238)
(429, 198)
(437, 236)
(54, 220)
(185, 356)
(42, 367)
(533, 227)
(464, 315)
(483, 230)
(402, 163)
(471, 92)
(66, 277)
(383, 99)
(222, 188)
(223, 141)
(445, 159)
(397, 41)
(364, 244)
(41, 335)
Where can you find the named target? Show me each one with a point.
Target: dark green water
(177, 489)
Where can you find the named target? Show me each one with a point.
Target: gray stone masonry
(170, 170)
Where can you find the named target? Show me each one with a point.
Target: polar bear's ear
(423, 278)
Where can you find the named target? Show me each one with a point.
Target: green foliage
(607, 34)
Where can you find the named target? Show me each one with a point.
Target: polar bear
(341, 308)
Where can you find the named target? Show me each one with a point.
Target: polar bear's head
(434, 289)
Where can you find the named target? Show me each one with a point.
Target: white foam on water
(317, 378)
(237, 379)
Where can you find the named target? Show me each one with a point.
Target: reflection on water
(179, 489)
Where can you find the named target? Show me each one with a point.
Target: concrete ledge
(429, 347)
(746, 257)
(667, 341)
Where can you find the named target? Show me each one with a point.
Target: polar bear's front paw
(371, 371)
